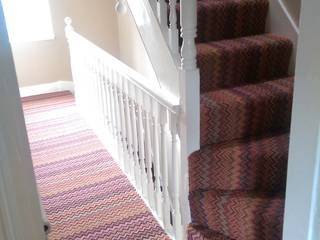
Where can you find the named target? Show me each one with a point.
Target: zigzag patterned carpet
(84, 192)
(238, 177)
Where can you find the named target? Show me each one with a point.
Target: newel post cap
(121, 7)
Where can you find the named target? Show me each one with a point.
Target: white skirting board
(47, 88)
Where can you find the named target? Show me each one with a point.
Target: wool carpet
(83, 191)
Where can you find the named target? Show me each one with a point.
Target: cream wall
(48, 61)
(132, 51)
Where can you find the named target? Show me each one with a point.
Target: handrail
(162, 96)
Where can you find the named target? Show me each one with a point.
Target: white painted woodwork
(163, 17)
(138, 124)
(302, 208)
(280, 22)
(46, 88)
(173, 30)
(20, 212)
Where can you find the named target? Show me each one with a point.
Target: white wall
(48, 61)
(302, 211)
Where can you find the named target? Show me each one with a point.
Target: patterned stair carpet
(84, 192)
(238, 177)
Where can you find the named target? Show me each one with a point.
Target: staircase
(237, 179)
(224, 91)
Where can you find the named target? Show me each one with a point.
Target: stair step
(228, 19)
(235, 62)
(197, 232)
(253, 164)
(246, 111)
(239, 215)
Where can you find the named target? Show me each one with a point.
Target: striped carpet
(84, 192)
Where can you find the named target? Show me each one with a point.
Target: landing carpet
(83, 191)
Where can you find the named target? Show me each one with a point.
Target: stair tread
(245, 111)
(239, 215)
(245, 164)
(233, 62)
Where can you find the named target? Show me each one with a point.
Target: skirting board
(46, 88)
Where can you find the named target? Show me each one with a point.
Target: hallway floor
(84, 192)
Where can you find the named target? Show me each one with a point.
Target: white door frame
(20, 212)
(302, 216)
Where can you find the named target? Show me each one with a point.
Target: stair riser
(245, 112)
(219, 20)
(227, 64)
(239, 218)
(247, 166)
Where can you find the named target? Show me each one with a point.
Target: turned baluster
(173, 30)
(163, 17)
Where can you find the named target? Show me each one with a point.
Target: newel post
(190, 97)
(68, 28)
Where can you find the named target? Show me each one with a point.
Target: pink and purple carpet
(83, 191)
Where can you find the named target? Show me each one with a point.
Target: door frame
(302, 216)
(20, 211)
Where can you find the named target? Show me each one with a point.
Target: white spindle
(173, 30)
(149, 149)
(135, 159)
(107, 98)
(103, 95)
(176, 180)
(188, 21)
(128, 127)
(141, 132)
(163, 17)
(164, 166)
(122, 130)
(157, 160)
(111, 101)
(137, 166)
(117, 121)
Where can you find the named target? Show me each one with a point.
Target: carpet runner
(238, 177)
(84, 192)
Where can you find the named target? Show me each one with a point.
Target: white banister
(150, 130)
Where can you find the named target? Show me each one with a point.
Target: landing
(84, 192)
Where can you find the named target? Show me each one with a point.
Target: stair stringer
(280, 21)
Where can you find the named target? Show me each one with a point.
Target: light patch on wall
(28, 20)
